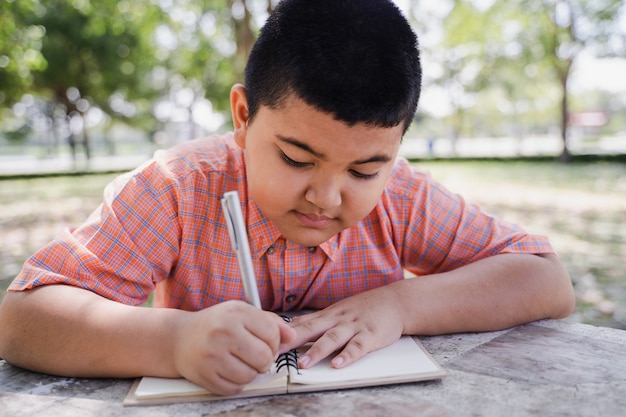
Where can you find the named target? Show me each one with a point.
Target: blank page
(151, 387)
(403, 358)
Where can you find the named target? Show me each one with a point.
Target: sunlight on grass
(581, 207)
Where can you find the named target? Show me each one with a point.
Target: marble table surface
(547, 368)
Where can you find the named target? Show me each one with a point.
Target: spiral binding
(287, 359)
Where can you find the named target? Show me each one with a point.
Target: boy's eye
(291, 162)
(363, 176)
(297, 164)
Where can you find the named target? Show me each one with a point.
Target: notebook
(404, 361)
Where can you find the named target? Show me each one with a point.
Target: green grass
(581, 207)
(33, 211)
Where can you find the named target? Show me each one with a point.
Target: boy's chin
(309, 238)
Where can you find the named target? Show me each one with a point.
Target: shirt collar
(263, 234)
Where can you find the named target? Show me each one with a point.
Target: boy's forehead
(319, 133)
(291, 100)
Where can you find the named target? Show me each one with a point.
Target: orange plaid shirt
(160, 228)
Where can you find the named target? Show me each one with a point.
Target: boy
(334, 219)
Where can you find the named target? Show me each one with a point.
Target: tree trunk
(565, 156)
(244, 37)
(86, 142)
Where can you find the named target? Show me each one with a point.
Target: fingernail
(304, 361)
(338, 361)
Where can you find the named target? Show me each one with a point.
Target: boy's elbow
(566, 305)
(563, 298)
(15, 335)
(7, 338)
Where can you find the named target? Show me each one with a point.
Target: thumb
(287, 336)
(287, 333)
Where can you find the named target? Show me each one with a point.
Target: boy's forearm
(491, 294)
(64, 330)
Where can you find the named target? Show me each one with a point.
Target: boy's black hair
(355, 59)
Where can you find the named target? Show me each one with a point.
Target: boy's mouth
(313, 220)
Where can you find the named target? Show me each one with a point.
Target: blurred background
(523, 112)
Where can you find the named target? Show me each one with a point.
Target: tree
(95, 51)
(81, 55)
(538, 39)
(19, 48)
(205, 47)
(132, 60)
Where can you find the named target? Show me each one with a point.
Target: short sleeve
(436, 230)
(124, 248)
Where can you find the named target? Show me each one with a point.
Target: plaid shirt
(160, 228)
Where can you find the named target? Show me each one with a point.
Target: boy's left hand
(358, 324)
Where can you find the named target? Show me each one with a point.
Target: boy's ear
(239, 110)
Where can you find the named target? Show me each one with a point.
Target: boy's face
(310, 174)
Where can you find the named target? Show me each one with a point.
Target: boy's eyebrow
(301, 145)
(304, 146)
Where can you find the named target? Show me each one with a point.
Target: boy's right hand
(224, 347)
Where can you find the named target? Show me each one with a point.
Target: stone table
(546, 368)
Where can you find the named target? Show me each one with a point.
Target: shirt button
(290, 298)
(312, 249)
(271, 250)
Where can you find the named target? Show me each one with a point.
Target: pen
(239, 243)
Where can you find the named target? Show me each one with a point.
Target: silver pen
(239, 243)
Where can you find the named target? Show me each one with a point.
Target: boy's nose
(324, 193)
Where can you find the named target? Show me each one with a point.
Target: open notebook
(404, 361)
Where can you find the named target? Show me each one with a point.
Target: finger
(227, 378)
(355, 349)
(309, 328)
(326, 344)
(222, 386)
(287, 339)
(287, 334)
(236, 371)
(253, 352)
(308, 321)
(270, 328)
